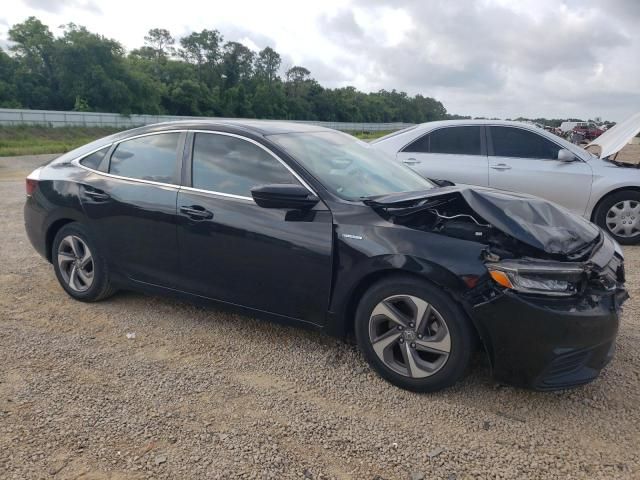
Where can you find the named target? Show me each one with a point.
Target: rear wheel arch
(53, 229)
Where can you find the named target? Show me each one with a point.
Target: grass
(33, 140)
(369, 135)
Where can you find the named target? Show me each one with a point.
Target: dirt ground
(199, 393)
(630, 154)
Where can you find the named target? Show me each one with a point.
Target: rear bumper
(549, 343)
(34, 217)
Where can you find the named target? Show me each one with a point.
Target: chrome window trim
(211, 192)
(118, 177)
(258, 144)
(77, 163)
(486, 125)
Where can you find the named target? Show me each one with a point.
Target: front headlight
(539, 277)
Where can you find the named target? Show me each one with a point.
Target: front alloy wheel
(413, 334)
(409, 336)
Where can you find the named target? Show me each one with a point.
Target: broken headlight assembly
(542, 278)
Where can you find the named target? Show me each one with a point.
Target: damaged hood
(614, 139)
(531, 220)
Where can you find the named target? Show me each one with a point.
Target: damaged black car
(309, 226)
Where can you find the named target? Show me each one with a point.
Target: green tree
(161, 42)
(237, 63)
(267, 65)
(34, 51)
(203, 50)
(83, 70)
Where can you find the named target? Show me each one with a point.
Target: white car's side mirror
(565, 155)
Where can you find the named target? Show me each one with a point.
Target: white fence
(10, 116)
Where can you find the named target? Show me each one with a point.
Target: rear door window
(153, 158)
(450, 140)
(231, 165)
(93, 160)
(520, 143)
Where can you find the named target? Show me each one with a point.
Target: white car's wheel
(619, 215)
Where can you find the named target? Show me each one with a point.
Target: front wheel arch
(349, 314)
(610, 199)
(607, 195)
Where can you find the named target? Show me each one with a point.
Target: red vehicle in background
(587, 130)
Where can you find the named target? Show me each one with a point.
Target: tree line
(199, 74)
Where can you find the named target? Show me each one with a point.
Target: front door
(523, 161)
(273, 260)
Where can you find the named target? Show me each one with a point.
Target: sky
(493, 58)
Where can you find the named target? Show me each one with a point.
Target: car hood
(614, 139)
(531, 220)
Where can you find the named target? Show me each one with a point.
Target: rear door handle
(196, 212)
(96, 194)
(410, 161)
(501, 166)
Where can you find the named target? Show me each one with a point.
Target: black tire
(461, 335)
(600, 215)
(100, 287)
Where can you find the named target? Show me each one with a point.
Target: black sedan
(307, 225)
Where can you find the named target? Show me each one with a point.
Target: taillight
(32, 181)
(32, 184)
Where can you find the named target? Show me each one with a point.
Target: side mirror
(442, 183)
(565, 155)
(293, 197)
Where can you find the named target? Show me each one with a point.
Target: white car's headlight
(545, 278)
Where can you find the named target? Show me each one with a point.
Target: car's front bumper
(549, 343)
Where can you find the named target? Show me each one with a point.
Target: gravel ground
(199, 393)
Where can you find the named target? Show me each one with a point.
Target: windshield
(348, 167)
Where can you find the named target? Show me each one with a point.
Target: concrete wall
(10, 116)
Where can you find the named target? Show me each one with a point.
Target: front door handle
(501, 166)
(410, 161)
(196, 212)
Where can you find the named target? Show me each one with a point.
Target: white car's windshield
(349, 167)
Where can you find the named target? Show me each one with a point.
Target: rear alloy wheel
(80, 269)
(75, 263)
(619, 215)
(413, 334)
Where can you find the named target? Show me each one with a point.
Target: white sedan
(524, 158)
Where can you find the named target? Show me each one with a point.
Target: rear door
(274, 260)
(450, 153)
(521, 160)
(130, 201)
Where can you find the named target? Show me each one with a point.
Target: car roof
(255, 127)
(395, 141)
(448, 123)
(259, 127)
(428, 126)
